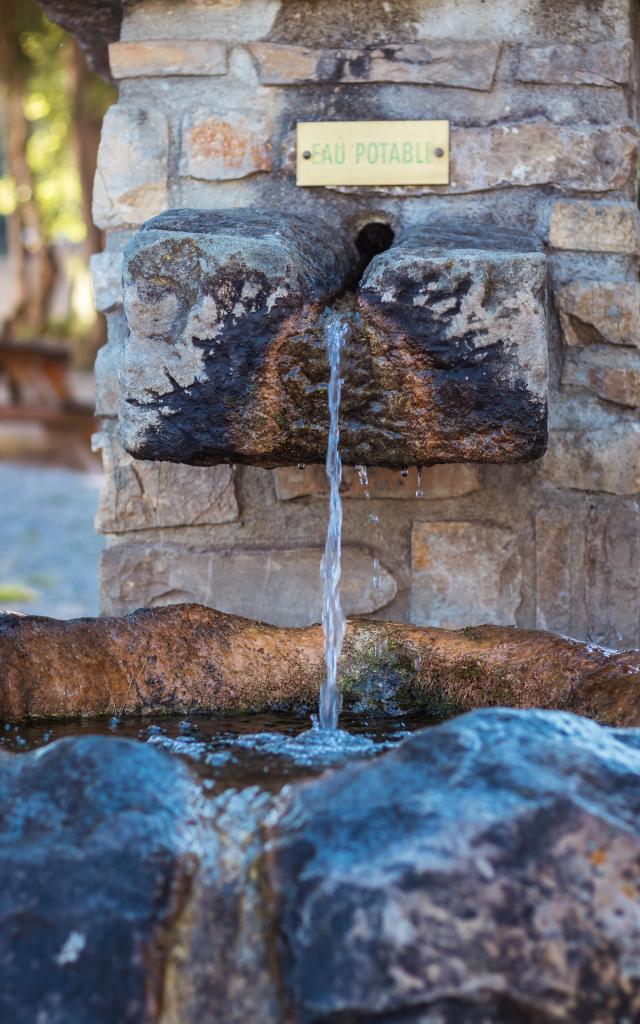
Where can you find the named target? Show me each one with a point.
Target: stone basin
(445, 359)
(250, 869)
(183, 659)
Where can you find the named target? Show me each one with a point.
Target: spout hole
(375, 237)
(372, 239)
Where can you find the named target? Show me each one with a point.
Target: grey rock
(483, 872)
(131, 181)
(606, 64)
(599, 313)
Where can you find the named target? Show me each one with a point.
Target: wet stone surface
(445, 358)
(483, 870)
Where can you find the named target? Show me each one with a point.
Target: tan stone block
(606, 459)
(464, 574)
(106, 273)
(612, 567)
(593, 159)
(278, 586)
(216, 148)
(162, 57)
(446, 481)
(599, 312)
(106, 373)
(606, 64)
(131, 177)
(587, 225)
(469, 65)
(619, 384)
(555, 590)
(141, 495)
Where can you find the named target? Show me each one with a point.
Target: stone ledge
(445, 357)
(188, 658)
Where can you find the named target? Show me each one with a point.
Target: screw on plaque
(306, 155)
(439, 151)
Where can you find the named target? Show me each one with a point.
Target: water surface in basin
(264, 750)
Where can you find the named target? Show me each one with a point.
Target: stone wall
(542, 104)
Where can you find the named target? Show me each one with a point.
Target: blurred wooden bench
(35, 378)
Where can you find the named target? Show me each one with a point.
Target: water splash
(363, 477)
(333, 620)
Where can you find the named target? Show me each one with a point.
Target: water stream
(333, 619)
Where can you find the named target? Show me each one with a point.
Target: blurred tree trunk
(85, 135)
(32, 258)
(85, 130)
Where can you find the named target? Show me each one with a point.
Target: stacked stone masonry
(542, 103)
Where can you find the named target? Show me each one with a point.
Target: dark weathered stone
(96, 23)
(226, 360)
(219, 305)
(484, 872)
(187, 658)
(93, 842)
(456, 324)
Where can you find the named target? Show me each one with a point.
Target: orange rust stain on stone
(235, 148)
(598, 857)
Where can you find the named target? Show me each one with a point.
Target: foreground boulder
(93, 844)
(189, 658)
(484, 871)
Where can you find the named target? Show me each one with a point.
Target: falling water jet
(333, 620)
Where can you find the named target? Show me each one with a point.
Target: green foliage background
(37, 54)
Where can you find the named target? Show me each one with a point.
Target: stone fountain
(481, 870)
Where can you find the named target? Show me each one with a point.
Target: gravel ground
(49, 550)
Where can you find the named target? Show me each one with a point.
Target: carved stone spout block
(445, 360)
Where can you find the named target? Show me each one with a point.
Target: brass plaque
(373, 153)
